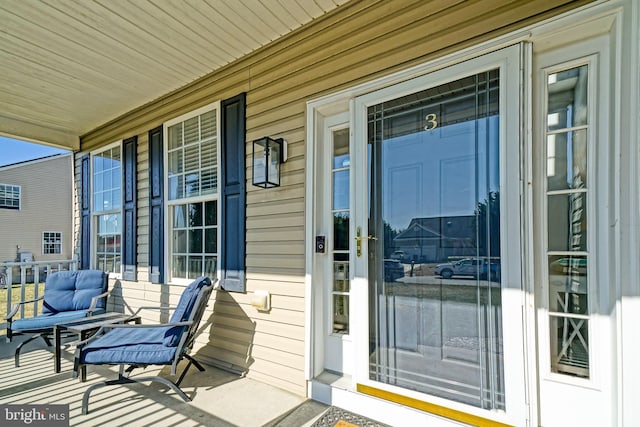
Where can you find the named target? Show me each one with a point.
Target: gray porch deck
(219, 398)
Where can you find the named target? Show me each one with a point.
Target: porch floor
(219, 398)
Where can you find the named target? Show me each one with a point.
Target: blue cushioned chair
(144, 345)
(68, 295)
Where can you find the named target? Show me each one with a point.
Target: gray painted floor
(219, 398)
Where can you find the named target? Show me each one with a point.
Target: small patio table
(84, 328)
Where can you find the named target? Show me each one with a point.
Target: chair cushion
(138, 345)
(89, 283)
(46, 320)
(58, 291)
(73, 290)
(183, 310)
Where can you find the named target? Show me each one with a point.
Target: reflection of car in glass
(398, 255)
(475, 267)
(393, 270)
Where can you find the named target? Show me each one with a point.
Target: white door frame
(592, 19)
(557, 390)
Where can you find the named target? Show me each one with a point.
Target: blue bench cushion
(73, 290)
(131, 346)
(46, 321)
(183, 310)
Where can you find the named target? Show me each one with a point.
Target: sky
(13, 151)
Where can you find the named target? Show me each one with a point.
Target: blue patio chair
(139, 346)
(68, 295)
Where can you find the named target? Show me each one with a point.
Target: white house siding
(45, 205)
(359, 41)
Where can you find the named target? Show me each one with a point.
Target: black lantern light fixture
(268, 156)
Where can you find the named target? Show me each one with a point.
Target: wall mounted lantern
(268, 156)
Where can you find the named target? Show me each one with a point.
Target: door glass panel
(340, 314)
(568, 284)
(341, 231)
(341, 243)
(566, 153)
(340, 295)
(435, 268)
(567, 99)
(567, 221)
(567, 249)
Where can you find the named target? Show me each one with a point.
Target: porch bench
(68, 295)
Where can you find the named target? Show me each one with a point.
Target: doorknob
(359, 238)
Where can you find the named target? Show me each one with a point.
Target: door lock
(359, 240)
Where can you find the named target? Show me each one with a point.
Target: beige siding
(45, 205)
(77, 169)
(358, 42)
(142, 205)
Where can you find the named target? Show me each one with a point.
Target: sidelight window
(341, 215)
(567, 196)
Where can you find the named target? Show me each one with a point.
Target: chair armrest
(164, 307)
(137, 312)
(15, 307)
(94, 301)
(150, 325)
(14, 310)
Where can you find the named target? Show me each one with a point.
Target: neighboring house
(36, 204)
(437, 239)
(395, 111)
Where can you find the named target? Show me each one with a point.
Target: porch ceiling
(68, 66)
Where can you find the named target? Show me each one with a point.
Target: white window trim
(19, 198)
(168, 247)
(44, 243)
(93, 213)
(598, 248)
(590, 253)
(343, 123)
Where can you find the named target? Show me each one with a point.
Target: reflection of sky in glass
(106, 180)
(109, 224)
(442, 172)
(341, 190)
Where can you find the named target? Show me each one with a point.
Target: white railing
(20, 277)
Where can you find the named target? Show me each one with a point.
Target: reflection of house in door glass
(437, 239)
(433, 174)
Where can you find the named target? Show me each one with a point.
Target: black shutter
(156, 207)
(129, 248)
(85, 213)
(233, 193)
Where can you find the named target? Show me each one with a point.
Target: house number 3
(432, 121)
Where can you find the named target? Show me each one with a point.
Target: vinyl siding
(142, 270)
(360, 41)
(45, 205)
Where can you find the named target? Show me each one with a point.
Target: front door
(440, 189)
